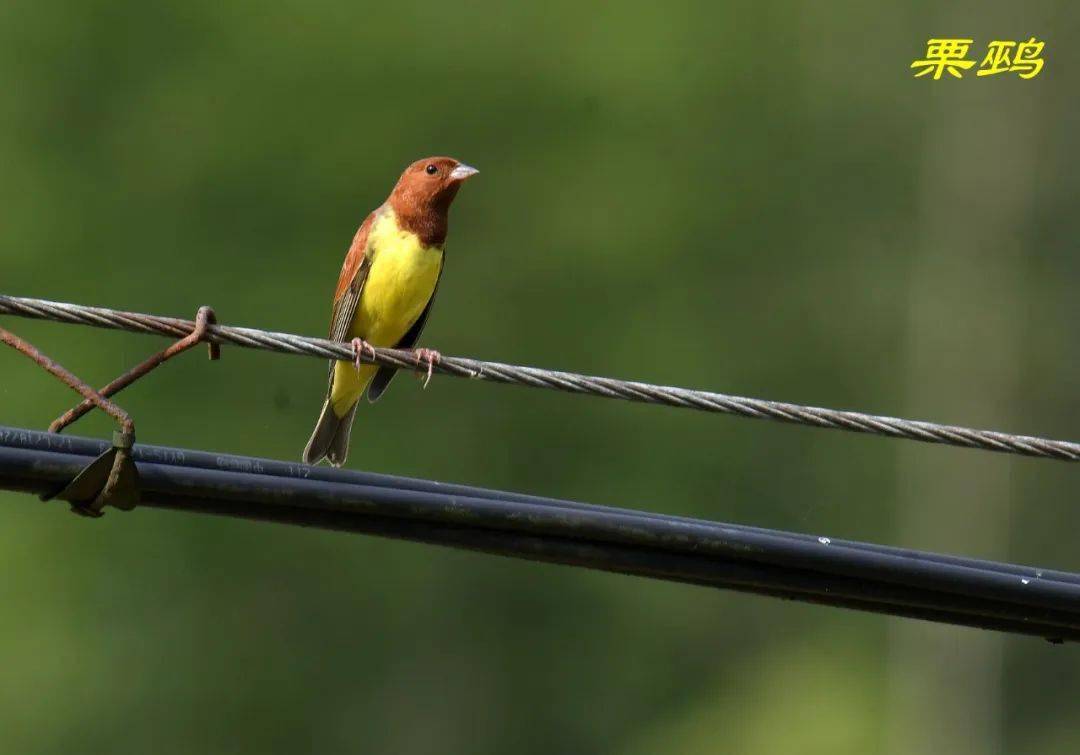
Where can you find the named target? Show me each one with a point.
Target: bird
(385, 292)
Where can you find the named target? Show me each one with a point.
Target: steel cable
(288, 343)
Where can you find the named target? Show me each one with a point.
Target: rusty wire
(203, 319)
(287, 343)
(92, 397)
(109, 480)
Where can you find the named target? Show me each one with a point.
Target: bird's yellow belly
(399, 286)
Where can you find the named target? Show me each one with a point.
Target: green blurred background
(751, 197)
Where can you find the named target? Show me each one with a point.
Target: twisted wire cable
(535, 377)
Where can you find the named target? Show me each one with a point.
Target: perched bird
(385, 292)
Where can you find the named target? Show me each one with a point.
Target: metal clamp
(112, 478)
(109, 480)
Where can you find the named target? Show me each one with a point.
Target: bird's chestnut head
(421, 199)
(431, 184)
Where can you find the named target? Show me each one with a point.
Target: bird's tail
(330, 440)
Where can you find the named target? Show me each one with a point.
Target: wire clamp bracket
(109, 480)
(112, 478)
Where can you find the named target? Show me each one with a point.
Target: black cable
(31, 439)
(868, 577)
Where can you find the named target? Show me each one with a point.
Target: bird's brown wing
(330, 439)
(386, 374)
(350, 284)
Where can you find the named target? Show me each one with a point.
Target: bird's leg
(360, 347)
(432, 358)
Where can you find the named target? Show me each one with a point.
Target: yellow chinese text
(945, 55)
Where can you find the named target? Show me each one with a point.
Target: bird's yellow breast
(400, 283)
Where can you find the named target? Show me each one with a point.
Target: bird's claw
(360, 347)
(432, 358)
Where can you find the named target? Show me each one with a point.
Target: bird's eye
(431, 170)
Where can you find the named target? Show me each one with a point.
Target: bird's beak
(463, 172)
